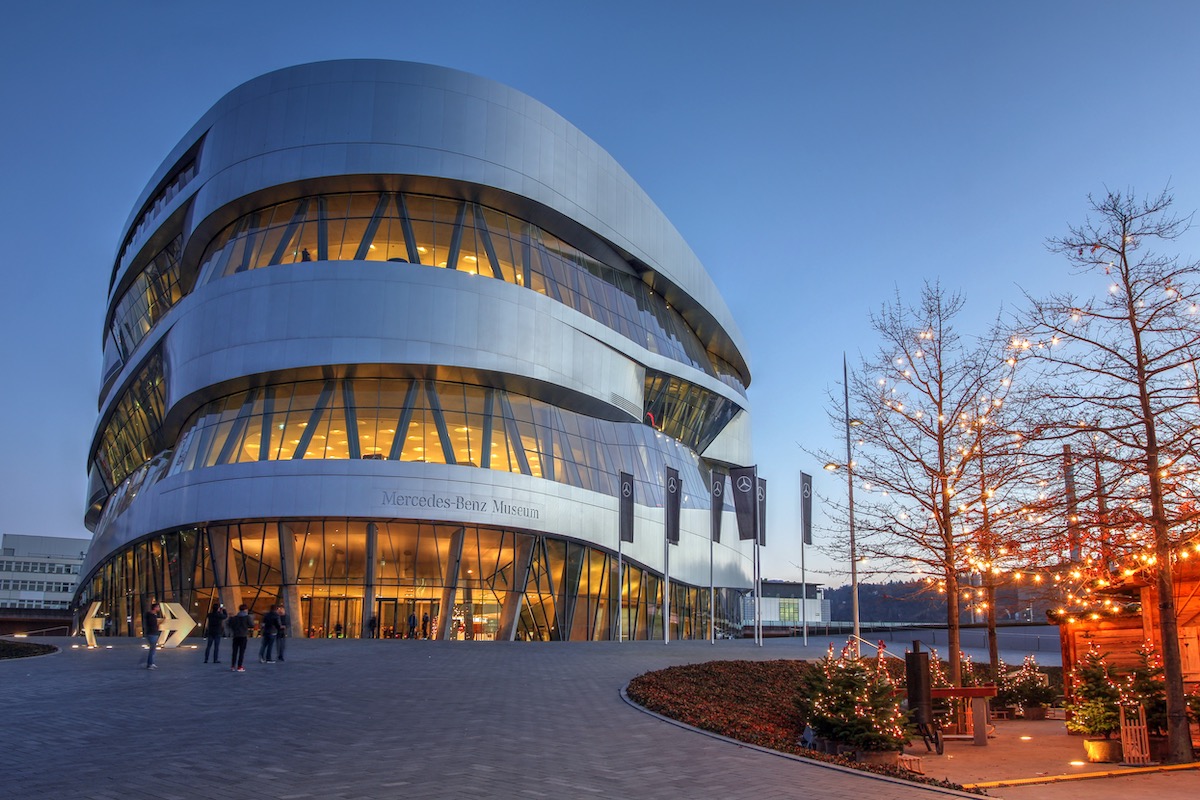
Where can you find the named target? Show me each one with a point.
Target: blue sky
(818, 157)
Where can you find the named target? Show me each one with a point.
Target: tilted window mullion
(290, 231)
(402, 426)
(372, 227)
(488, 247)
(313, 419)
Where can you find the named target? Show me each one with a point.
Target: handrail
(42, 631)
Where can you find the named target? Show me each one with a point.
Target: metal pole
(803, 592)
(666, 590)
(712, 595)
(850, 495)
(620, 592)
(757, 594)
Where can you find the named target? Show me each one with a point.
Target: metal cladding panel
(309, 316)
(732, 445)
(386, 490)
(396, 118)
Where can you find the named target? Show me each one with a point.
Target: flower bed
(10, 649)
(750, 701)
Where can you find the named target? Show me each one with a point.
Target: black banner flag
(672, 498)
(717, 496)
(626, 507)
(762, 512)
(745, 502)
(806, 507)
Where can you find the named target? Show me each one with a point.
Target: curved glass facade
(465, 236)
(482, 582)
(685, 411)
(132, 433)
(152, 294)
(435, 422)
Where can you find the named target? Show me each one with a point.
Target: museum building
(380, 338)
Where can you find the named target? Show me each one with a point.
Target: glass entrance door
(406, 618)
(332, 617)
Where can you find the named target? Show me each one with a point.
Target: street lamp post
(850, 502)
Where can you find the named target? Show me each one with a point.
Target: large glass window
(440, 422)
(465, 236)
(684, 411)
(132, 434)
(153, 292)
(426, 577)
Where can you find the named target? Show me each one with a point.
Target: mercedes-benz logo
(807, 490)
(761, 493)
(626, 489)
(671, 486)
(744, 483)
(718, 489)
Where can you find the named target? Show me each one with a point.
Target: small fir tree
(853, 701)
(1096, 698)
(1030, 687)
(1145, 686)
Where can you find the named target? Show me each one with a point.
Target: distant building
(38, 576)
(39, 571)
(786, 604)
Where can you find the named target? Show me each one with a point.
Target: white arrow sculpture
(91, 623)
(175, 624)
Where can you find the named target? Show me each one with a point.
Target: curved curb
(861, 773)
(1084, 776)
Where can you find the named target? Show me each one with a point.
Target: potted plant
(1006, 700)
(1094, 707)
(852, 701)
(1031, 690)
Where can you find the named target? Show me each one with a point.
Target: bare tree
(915, 450)
(1120, 370)
(1007, 504)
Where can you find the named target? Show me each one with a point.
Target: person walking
(269, 631)
(239, 628)
(151, 631)
(283, 630)
(412, 625)
(214, 629)
(425, 625)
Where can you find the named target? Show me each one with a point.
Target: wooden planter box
(1101, 751)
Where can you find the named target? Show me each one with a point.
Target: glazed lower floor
(404, 579)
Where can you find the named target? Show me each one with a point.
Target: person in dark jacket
(283, 630)
(239, 628)
(151, 631)
(214, 629)
(269, 631)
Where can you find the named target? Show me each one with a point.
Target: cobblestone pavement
(391, 719)
(380, 719)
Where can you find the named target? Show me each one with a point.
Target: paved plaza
(400, 719)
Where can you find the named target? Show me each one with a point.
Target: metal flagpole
(805, 522)
(712, 595)
(666, 590)
(757, 595)
(803, 593)
(620, 591)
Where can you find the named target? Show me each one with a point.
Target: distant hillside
(916, 601)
